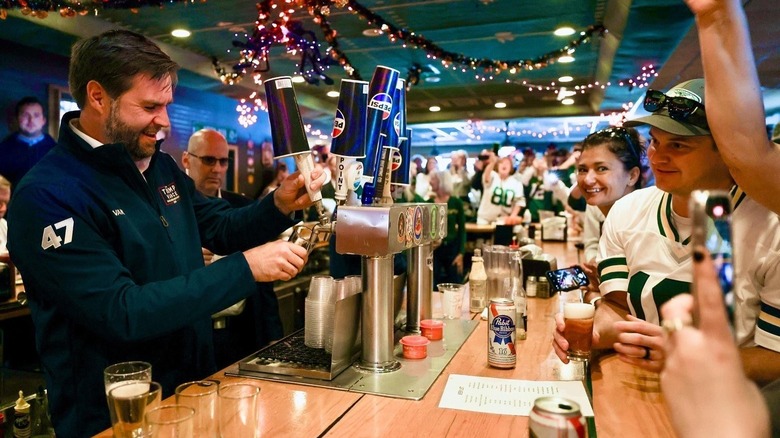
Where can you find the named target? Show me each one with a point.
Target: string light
(265, 35)
(248, 108)
(282, 30)
(70, 8)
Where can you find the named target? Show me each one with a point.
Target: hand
(592, 272)
(703, 371)
(458, 263)
(277, 260)
(292, 195)
(512, 220)
(208, 256)
(640, 343)
(704, 6)
(560, 344)
(540, 164)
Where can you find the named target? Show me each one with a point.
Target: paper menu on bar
(508, 396)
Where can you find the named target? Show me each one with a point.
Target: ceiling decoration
(70, 8)
(283, 30)
(642, 33)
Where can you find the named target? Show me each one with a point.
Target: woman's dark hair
(624, 143)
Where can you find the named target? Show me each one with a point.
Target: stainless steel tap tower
(377, 233)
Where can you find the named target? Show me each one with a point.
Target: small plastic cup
(415, 347)
(452, 299)
(432, 329)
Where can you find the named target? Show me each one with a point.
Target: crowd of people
(113, 238)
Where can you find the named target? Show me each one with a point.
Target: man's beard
(117, 131)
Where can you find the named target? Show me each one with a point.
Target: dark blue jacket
(17, 157)
(113, 270)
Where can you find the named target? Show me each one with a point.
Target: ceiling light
(565, 79)
(180, 33)
(500, 105)
(432, 79)
(568, 101)
(332, 93)
(564, 31)
(372, 32)
(566, 58)
(434, 109)
(298, 79)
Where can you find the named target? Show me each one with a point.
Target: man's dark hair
(113, 59)
(27, 100)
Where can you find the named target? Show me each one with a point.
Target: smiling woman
(608, 169)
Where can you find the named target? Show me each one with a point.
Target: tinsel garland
(491, 66)
(71, 8)
(320, 9)
(256, 49)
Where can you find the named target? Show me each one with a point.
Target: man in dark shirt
(22, 149)
(252, 323)
(107, 232)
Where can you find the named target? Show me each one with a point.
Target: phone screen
(712, 229)
(567, 279)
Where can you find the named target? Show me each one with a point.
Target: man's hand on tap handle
(292, 195)
(278, 260)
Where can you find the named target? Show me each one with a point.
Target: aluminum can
(556, 417)
(501, 333)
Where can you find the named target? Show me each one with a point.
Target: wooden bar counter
(627, 401)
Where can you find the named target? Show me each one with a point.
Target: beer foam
(578, 310)
(128, 390)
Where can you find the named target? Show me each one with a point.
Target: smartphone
(567, 278)
(711, 213)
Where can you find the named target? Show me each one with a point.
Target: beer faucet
(289, 139)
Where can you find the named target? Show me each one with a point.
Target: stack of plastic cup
(497, 269)
(319, 310)
(341, 290)
(355, 284)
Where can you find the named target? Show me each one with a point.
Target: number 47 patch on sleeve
(51, 238)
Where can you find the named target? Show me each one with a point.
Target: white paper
(508, 396)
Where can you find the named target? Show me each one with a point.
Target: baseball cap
(693, 90)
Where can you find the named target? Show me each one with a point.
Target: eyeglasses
(208, 160)
(680, 108)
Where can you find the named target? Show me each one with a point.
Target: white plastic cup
(452, 300)
(201, 396)
(171, 421)
(128, 402)
(238, 410)
(579, 329)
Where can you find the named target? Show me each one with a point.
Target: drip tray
(291, 356)
(286, 361)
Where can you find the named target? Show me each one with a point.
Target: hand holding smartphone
(711, 213)
(567, 279)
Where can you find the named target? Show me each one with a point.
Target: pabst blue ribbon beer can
(501, 333)
(556, 417)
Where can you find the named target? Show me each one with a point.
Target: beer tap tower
(378, 230)
(369, 122)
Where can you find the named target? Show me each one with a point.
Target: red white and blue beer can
(556, 417)
(501, 333)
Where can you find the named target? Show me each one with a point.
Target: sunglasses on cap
(208, 160)
(680, 108)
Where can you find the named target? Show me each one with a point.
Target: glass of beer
(579, 329)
